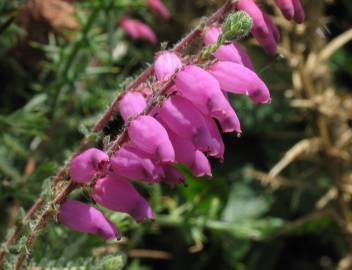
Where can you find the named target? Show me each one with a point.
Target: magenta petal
(85, 165)
(131, 105)
(138, 30)
(238, 79)
(187, 154)
(173, 177)
(261, 30)
(82, 217)
(147, 33)
(286, 7)
(203, 90)
(131, 163)
(201, 165)
(166, 64)
(183, 118)
(246, 60)
(159, 8)
(218, 144)
(259, 24)
(118, 194)
(272, 27)
(151, 137)
(299, 11)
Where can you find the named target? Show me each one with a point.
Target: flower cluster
(185, 127)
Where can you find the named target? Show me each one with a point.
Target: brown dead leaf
(58, 14)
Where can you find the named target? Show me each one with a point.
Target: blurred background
(280, 200)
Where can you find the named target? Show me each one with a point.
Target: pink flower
(159, 8)
(87, 164)
(286, 7)
(272, 27)
(173, 177)
(151, 137)
(131, 105)
(291, 9)
(203, 90)
(131, 163)
(299, 11)
(261, 31)
(118, 194)
(238, 79)
(138, 30)
(166, 64)
(187, 154)
(231, 52)
(259, 24)
(218, 143)
(183, 118)
(82, 217)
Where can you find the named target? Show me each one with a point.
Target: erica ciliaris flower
(181, 129)
(157, 7)
(84, 218)
(138, 30)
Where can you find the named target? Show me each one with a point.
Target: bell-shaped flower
(203, 90)
(218, 143)
(299, 11)
(291, 9)
(261, 31)
(118, 194)
(238, 79)
(259, 24)
(230, 52)
(286, 7)
(272, 27)
(157, 7)
(166, 64)
(138, 30)
(132, 163)
(82, 217)
(185, 120)
(131, 105)
(187, 154)
(87, 164)
(151, 137)
(173, 177)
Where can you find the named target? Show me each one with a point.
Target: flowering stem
(112, 110)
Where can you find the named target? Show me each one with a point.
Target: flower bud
(237, 25)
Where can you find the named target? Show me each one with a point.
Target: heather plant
(165, 128)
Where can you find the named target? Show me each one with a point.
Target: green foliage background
(229, 222)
